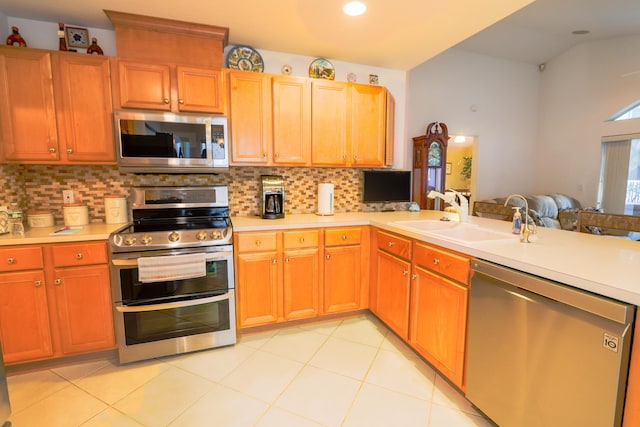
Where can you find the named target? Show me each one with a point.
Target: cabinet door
(144, 85)
(200, 90)
(27, 111)
(291, 120)
(342, 279)
(83, 300)
(83, 104)
(367, 125)
(328, 123)
(257, 288)
(250, 117)
(393, 285)
(24, 316)
(301, 280)
(438, 322)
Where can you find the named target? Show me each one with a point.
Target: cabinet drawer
(300, 238)
(399, 246)
(452, 265)
(256, 242)
(18, 258)
(69, 255)
(342, 236)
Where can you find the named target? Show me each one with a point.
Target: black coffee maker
(271, 196)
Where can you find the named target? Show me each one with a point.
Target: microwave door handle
(171, 305)
(209, 257)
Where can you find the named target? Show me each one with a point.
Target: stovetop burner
(199, 218)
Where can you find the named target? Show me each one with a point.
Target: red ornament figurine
(15, 39)
(94, 48)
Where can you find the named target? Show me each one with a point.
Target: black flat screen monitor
(387, 186)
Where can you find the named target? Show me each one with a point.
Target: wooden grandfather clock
(429, 165)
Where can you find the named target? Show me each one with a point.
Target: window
(620, 176)
(631, 112)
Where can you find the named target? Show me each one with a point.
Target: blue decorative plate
(245, 58)
(322, 69)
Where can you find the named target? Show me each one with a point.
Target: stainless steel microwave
(156, 142)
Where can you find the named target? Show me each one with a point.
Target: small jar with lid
(40, 218)
(115, 209)
(75, 214)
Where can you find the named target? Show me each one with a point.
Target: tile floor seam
(68, 383)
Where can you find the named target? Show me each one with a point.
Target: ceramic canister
(37, 219)
(75, 214)
(115, 209)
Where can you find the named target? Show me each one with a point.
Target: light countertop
(49, 235)
(604, 265)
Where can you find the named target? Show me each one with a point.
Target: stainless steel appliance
(172, 273)
(169, 143)
(544, 354)
(271, 196)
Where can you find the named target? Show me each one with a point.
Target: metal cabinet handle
(264, 155)
(57, 281)
(181, 101)
(355, 157)
(405, 272)
(414, 276)
(52, 150)
(436, 261)
(38, 283)
(11, 261)
(328, 256)
(286, 260)
(79, 255)
(276, 155)
(275, 261)
(258, 242)
(344, 237)
(302, 240)
(390, 244)
(165, 100)
(70, 150)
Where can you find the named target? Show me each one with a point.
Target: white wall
(580, 90)
(4, 23)
(493, 99)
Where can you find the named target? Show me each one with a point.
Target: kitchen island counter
(603, 265)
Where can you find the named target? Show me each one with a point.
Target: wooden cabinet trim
(77, 254)
(394, 244)
(17, 258)
(453, 265)
(341, 236)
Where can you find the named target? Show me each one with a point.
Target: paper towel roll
(325, 199)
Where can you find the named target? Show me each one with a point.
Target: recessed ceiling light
(580, 32)
(354, 8)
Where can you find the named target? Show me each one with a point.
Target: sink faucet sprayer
(527, 229)
(462, 208)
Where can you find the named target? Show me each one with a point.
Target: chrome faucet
(527, 229)
(462, 209)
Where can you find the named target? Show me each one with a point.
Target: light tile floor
(347, 372)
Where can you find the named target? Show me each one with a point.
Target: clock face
(77, 37)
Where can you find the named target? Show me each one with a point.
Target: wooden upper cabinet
(82, 86)
(200, 90)
(291, 120)
(144, 85)
(328, 123)
(367, 130)
(250, 117)
(27, 110)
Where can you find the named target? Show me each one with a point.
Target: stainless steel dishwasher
(545, 354)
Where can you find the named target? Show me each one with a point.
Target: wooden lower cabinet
(59, 304)
(438, 322)
(393, 291)
(24, 317)
(257, 285)
(301, 281)
(342, 277)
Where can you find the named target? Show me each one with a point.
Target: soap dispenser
(517, 221)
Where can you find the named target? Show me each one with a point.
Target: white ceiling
(397, 34)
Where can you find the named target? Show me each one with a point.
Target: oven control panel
(122, 242)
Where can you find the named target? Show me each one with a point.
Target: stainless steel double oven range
(172, 273)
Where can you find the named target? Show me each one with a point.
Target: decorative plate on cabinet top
(322, 69)
(245, 58)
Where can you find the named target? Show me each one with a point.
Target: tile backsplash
(39, 187)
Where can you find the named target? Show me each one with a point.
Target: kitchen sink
(455, 231)
(426, 224)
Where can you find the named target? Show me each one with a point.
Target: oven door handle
(167, 306)
(209, 257)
